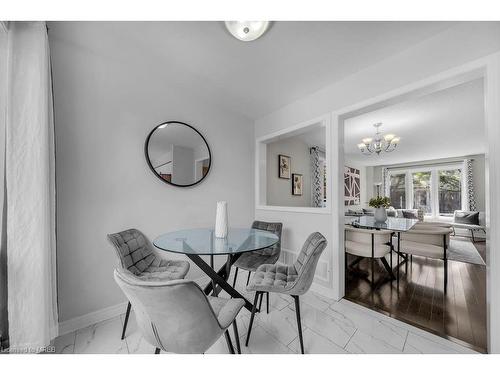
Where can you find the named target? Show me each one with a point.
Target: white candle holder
(221, 220)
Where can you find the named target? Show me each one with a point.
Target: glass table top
(396, 224)
(202, 241)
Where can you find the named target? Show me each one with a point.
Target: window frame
(434, 192)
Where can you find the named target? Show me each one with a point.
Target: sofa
(469, 220)
(391, 212)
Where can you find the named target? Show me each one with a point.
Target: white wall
(279, 190)
(104, 109)
(455, 47)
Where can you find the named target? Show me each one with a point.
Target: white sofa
(469, 220)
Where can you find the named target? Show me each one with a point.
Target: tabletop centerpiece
(380, 204)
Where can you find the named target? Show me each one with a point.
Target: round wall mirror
(177, 154)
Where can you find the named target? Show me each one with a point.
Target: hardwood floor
(420, 301)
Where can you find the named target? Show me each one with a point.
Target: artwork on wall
(297, 184)
(352, 189)
(284, 166)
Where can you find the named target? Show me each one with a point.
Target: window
(398, 190)
(437, 189)
(422, 191)
(450, 191)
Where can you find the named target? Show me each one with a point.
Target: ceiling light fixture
(247, 31)
(379, 143)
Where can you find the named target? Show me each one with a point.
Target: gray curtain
(469, 186)
(316, 183)
(385, 182)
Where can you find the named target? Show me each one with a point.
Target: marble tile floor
(329, 327)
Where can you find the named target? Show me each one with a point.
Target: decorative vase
(380, 215)
(221, 220)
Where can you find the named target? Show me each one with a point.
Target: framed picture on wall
(297, 184)
(352, 186)
(284, 166)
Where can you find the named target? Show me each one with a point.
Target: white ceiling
(315, 136)
(447, 123)
(291, 60)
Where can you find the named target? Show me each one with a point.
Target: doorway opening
(435, 176)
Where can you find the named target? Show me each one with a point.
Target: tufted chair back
(306, 262)
(174, 316)
(134, 250)
(275, 228)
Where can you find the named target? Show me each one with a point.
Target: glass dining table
(198, 242)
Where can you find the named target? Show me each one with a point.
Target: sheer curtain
(30, 190)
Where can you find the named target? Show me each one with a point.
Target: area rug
(463, 250)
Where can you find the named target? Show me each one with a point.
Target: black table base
(219, 278)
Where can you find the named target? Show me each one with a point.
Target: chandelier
(379, 143)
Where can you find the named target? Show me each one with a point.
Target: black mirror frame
(146, 145)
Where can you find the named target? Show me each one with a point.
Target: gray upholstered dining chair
(138, 256)
(294, 280)
(252, 260)
(176, 316)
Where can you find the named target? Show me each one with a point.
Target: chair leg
(157, 351)
(235, 276)
(127, 314)
(260, 302)
(472, 234)
(445, 275)
(254, 308)
(248, 278)
(391, 256)
(373, 261)
(299, 324)
(397, 270)
(387, 268)
(228, 342)
(267, 302)
(373, 272)
(236, 336)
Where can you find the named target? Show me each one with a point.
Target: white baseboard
(94, 317)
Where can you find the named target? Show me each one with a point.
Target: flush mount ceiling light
(379, 143)
(247, 31)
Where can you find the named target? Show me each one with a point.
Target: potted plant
(380, 204)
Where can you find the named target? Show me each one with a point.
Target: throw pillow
(410, 214)
(467, 217)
